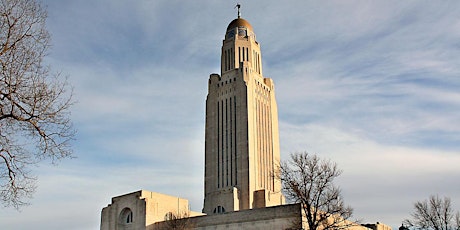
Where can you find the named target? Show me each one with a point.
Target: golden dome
(239, 22)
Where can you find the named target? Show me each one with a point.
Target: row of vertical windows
(229, 59)
(226, 143)
(264, 144)
(243, 54)
(219, 209)
(226, 82)
(262, 90)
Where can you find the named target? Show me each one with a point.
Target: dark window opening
(219, 209)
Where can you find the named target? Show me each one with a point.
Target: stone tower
(241, 140)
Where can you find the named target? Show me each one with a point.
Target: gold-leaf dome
(239, 22)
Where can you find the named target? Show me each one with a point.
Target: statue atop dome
(238, 6)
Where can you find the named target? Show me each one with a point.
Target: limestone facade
(145, 210)
(242, 143)
(139, 210)
(269, 218)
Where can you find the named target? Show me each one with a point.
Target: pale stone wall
(159, 205)
(110, 216)
(147, 208)
(271, 218)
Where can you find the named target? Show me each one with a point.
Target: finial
(238, 6)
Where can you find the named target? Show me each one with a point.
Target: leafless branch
(308, 180)
(34, 104)
(435, 213)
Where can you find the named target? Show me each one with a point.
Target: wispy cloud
(377, 177)
(374, 86)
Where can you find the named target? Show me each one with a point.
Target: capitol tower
(241, 136)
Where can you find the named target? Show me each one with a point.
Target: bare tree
(309, 180)
(177, 221)
(435, 214)
(34, 104)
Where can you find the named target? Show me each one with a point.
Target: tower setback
(241, 139)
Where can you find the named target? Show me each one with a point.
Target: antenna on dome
(238, 6)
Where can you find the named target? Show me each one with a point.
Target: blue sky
(371, 85)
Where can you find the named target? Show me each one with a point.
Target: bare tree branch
(34, 104)
(435, 213)
(308, 180)
(177, 221)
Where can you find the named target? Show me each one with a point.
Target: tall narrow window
(257, 62)
(260, 64)
(218, 144)
(129, 218)
(226, 60)
(236, 147)
(247, 54)
(230, 137)
(254, 60)
(226, 142)
(232, 59)
(239, 55)
(222, 143)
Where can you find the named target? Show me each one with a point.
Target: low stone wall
(270, 218)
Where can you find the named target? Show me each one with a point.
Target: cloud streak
(374, 86)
